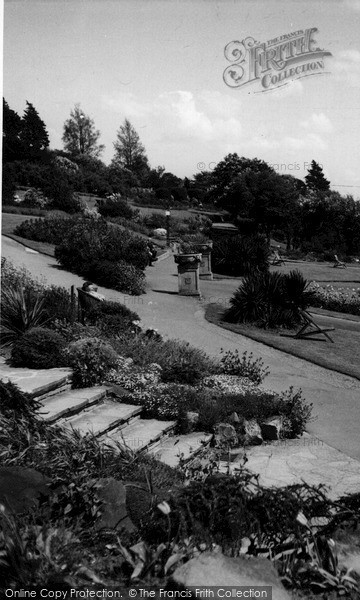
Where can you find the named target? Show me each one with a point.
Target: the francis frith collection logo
(275, 62)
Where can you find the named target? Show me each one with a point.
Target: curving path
(336, 397)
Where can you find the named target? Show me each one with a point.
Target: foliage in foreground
(58, 544)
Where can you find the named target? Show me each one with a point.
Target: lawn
(342, 356)
(324, 273)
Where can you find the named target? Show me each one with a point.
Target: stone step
(36, 382)
(70, 402)
(139, 434)
(171, 449)
(101, 417)
(65, 387)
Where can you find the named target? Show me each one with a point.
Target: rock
(214, 570)
(225, 434)
(21, 488)
(114, 512)
(271, 428)
(118, 390)
(253, 435)
(192, 417)
(234, 418)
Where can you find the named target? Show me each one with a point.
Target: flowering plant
(346, 300)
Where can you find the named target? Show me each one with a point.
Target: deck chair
(86, 302)
(277, 259)
(309, 328)
(338, 263)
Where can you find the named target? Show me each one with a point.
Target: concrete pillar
(188, 274)
(205, 265)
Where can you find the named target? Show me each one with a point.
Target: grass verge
(342, 356)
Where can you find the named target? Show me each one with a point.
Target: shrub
(57, 304)
(119, 275)
(91, 360)
(15, 403)
(245, 366)
(240, 255)
(90, 240)
(338, 299)
(176, 358)
(38, 348)
(35, 199)
(112, 318)
(270, 300)
(50, 230)
(215, 407)
(115, 206)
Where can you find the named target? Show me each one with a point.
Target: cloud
(207, 116)
(318, 122)
(353, 5)
(346, 67)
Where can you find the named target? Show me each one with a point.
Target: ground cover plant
(340, 299)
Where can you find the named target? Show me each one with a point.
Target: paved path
(336, 398)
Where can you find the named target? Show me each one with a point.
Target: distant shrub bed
(239, 255)
(343, 300)
(115, 206)
(105, 254)
(50, 229)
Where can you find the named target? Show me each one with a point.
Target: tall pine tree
(12, 147)
(129, 151)
(34, 136)
(315, 180)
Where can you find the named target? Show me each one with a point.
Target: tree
(34, 137)
(80, 135)
(315, 180)
(230, 168)
(129, 151)
(12, 147)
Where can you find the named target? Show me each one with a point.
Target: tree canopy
(315, 179)
(129, 151)
(80, 135)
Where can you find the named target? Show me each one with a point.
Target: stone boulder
(114, 513)
(216, 570)
(271, 428)
(21, 488)
(253, 436)
(225, 435)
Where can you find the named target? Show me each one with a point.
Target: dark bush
(116, 207)
(270, 300)
(112, 318)
(240, 255)
(91, 360)
(50, 230)
(174, 357)
(119, 275)
(38, 348)
(57, 304)
(89, 240)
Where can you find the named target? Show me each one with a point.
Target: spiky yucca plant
(21, 309)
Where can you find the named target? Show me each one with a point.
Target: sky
(160, 64)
